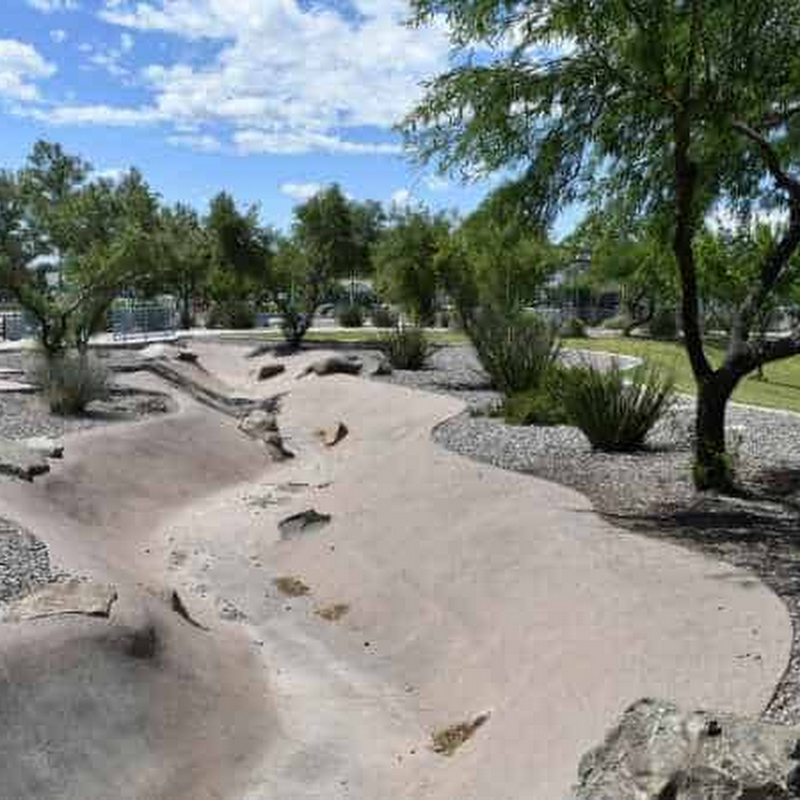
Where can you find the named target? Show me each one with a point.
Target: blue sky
(267, 99)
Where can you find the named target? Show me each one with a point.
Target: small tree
(670, 107)
(405, 261)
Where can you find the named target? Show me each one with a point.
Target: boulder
(305, 522)
(380, 365)
(268, 371)
(72, 596)
(188, 356)
(276, 447)
(47, 448)
(659, 752)
(257, 424)
(20, 461)
(334, 365)
(333, 434)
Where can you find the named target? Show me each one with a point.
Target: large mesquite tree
(673, 106)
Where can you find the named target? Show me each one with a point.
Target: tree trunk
(713, 467)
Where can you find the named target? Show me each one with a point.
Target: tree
(368, 221)
(240, 251)
(99, 237)
(406, 261)
(323, 247)
(671, 107)
(633, 257)
(187, 258)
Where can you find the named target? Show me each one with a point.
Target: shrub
(517, 351)
(574, 328)
(351, 316)
(383, 317)
(616, 410)
(71, 381)
(663, 325)
(406, 348)
(536, 407)
(232, 314)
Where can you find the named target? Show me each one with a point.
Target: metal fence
(138, 319)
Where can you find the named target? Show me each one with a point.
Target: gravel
(24, 562)
(652, 492)
(25, 416)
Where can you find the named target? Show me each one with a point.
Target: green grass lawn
(780, 389)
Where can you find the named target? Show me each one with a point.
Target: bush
(232, 314)
(574, 328)
(383, 317)
(616, 410)
(540, 406)
(71, 381)
(351, 316)
(406, 348)
(663, 325)
(517, 351)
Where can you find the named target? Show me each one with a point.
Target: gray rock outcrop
(20, 461)
(659, 752)
(268, 371)
(72, 596)
(333, 365)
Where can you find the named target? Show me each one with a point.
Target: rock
(276, 447)
(20, 461)
(302, 523)
(334, 365)
(72, 596)
(155, 351)
(178, 606)
(48, 448)
(268, 371)
(333, 434)
(658, 752)
(188, 356)
(257, 424)
(380, 365)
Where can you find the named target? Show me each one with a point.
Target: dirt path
(468, 590)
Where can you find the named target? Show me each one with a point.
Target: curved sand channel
(469, 589)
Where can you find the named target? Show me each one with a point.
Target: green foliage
(405, 261)
(232, 314)
(574, 328)
(663, 325)
(406, 348)
(383, 317)
(517, 351)
(351, 316)
(71, 381)
(715, 470)
(540, 406)
(616, 409)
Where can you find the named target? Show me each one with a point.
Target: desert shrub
(70, 381)
(232, 314)
(351, 316)
(574, 328)
(615, 409)
(383, 317)
(406, 348)
(663, 325)
(540, 406)
(516, 350)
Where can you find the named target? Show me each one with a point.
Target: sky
(267, 99)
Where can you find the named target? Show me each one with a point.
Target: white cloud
(436, 183)
(111, 174)
(289, 78)
(59, 36)
(402, 198)
(51, 6)
(301, 191)
(111, 116)
(21, 67)
(203, 143)
(126, 42)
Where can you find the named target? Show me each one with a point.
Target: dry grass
(291, 586)
(333, 613)
(448, 740)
